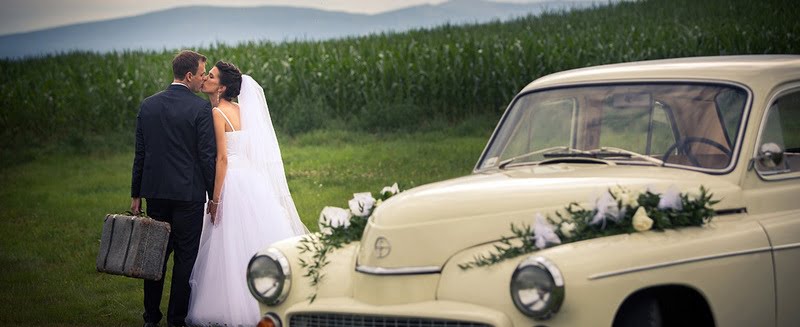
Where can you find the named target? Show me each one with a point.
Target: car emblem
(382, 247)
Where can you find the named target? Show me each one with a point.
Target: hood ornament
(382, 247)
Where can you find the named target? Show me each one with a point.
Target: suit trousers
(186, 220)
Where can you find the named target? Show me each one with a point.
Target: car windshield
(691, 125)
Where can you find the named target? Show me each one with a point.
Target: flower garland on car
(338, 227)
(618, 211)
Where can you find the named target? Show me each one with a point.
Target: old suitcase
(133, 246)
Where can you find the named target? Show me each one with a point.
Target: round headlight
(537, 288)
(269, 277)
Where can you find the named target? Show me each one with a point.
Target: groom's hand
(136, 205)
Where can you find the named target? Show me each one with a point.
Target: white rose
(617, 191)
(625, 196)
(567, 228)
(630, 199)
(641, 222)
(361, 204)
(335, 217)
(392, 190)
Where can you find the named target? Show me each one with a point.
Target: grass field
(51, 215)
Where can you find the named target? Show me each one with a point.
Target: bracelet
(214, 202)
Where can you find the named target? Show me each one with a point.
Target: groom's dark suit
(173, 169)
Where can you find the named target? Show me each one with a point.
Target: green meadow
(352, 115)
(53, 210)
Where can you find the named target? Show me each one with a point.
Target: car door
(772, 189)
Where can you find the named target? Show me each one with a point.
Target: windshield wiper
(602, 153)
(505, 163)
(612, 150)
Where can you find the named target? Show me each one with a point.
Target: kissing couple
(189, 150)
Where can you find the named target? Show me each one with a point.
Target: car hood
(425, 226)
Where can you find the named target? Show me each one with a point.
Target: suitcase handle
(141, 214)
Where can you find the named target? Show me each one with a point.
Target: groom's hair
(231, 77)
(186, 61)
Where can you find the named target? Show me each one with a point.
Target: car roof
(750, 70)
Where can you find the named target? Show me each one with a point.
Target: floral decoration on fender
(338, 227)
(618, 211)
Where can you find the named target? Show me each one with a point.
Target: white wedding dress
(252, 214)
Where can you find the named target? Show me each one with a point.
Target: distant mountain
(178, 27)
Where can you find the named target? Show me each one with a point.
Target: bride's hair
(231, 78)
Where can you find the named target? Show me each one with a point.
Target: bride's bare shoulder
(234, 107)
(228, 106)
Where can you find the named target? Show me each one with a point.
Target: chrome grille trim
(315, 319)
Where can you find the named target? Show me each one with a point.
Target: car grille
(336, 320)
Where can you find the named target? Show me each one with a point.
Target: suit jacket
(175, 147)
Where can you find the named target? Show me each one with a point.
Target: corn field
(389, 81)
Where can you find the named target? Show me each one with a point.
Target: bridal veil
(261, 147)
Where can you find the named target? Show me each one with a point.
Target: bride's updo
(231, 78)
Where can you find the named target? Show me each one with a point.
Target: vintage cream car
(729, 124)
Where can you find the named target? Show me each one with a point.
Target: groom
(173, 169)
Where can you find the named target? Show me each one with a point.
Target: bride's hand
(212, 211)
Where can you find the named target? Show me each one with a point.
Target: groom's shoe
(150, 324)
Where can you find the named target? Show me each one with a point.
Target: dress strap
(226, 118)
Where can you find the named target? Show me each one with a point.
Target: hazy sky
(29, 15)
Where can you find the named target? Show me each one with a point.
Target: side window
(781, 133)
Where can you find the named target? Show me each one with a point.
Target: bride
(251, 207)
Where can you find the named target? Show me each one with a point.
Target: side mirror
(770, 156)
